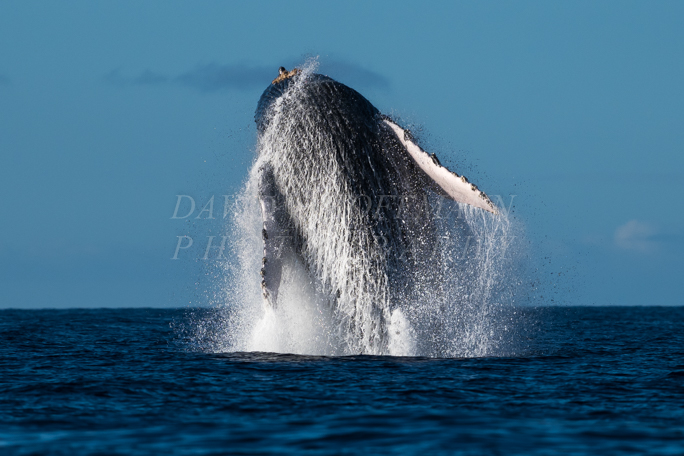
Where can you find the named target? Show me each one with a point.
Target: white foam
(452, 319)
(402, 337)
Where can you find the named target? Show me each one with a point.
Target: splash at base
(365, 243)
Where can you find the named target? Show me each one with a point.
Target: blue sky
(110, 110)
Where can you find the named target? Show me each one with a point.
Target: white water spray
(341, 303)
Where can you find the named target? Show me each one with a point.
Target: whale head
(314, 89)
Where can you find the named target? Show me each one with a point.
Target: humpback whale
(346, 192)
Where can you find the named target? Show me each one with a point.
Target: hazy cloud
(147, 77)
(115, 78)
(636, 236)
(150, 78)
(205, 78)
(354, 75)
(213, 77)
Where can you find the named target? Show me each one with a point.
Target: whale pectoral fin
(271, 271)
(275, 235)
(443, 181)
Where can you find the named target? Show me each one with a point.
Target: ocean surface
(138, 381)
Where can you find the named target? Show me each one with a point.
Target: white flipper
(452, 185)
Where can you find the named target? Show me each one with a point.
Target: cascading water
(339, 297)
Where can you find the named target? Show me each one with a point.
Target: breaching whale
(345, 191)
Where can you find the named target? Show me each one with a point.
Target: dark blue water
(587, 381)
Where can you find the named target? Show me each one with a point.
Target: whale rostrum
(346, 191)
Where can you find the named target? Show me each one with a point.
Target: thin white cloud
(636, 236)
